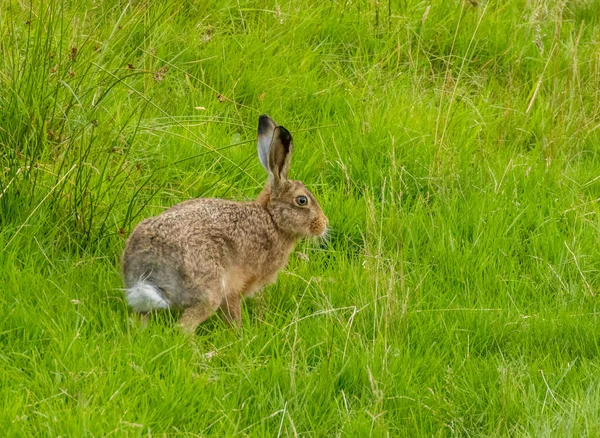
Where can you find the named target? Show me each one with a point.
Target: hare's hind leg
(232, 309)
(193, 316)
(204, 291)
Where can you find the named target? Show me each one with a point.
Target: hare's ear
(280, 155)
(266, 126)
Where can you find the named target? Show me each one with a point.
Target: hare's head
(293, 207)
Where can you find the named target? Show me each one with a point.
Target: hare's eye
(302, 200)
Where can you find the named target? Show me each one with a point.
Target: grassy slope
(454, 149)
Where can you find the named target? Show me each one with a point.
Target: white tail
(143, 297)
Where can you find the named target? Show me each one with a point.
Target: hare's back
(210, 214)
(201, 221)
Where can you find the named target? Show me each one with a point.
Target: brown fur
(206, 254)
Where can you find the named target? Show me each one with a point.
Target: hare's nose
(325, 223)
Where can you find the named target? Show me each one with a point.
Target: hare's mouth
(319, 228)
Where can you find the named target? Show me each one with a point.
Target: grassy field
(454, 146)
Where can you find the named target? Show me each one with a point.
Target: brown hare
(205, 254)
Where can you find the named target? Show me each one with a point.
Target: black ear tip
(265, 124)
(284, 134)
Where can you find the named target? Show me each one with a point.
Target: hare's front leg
(232, 309)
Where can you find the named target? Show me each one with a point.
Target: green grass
(455, 149)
